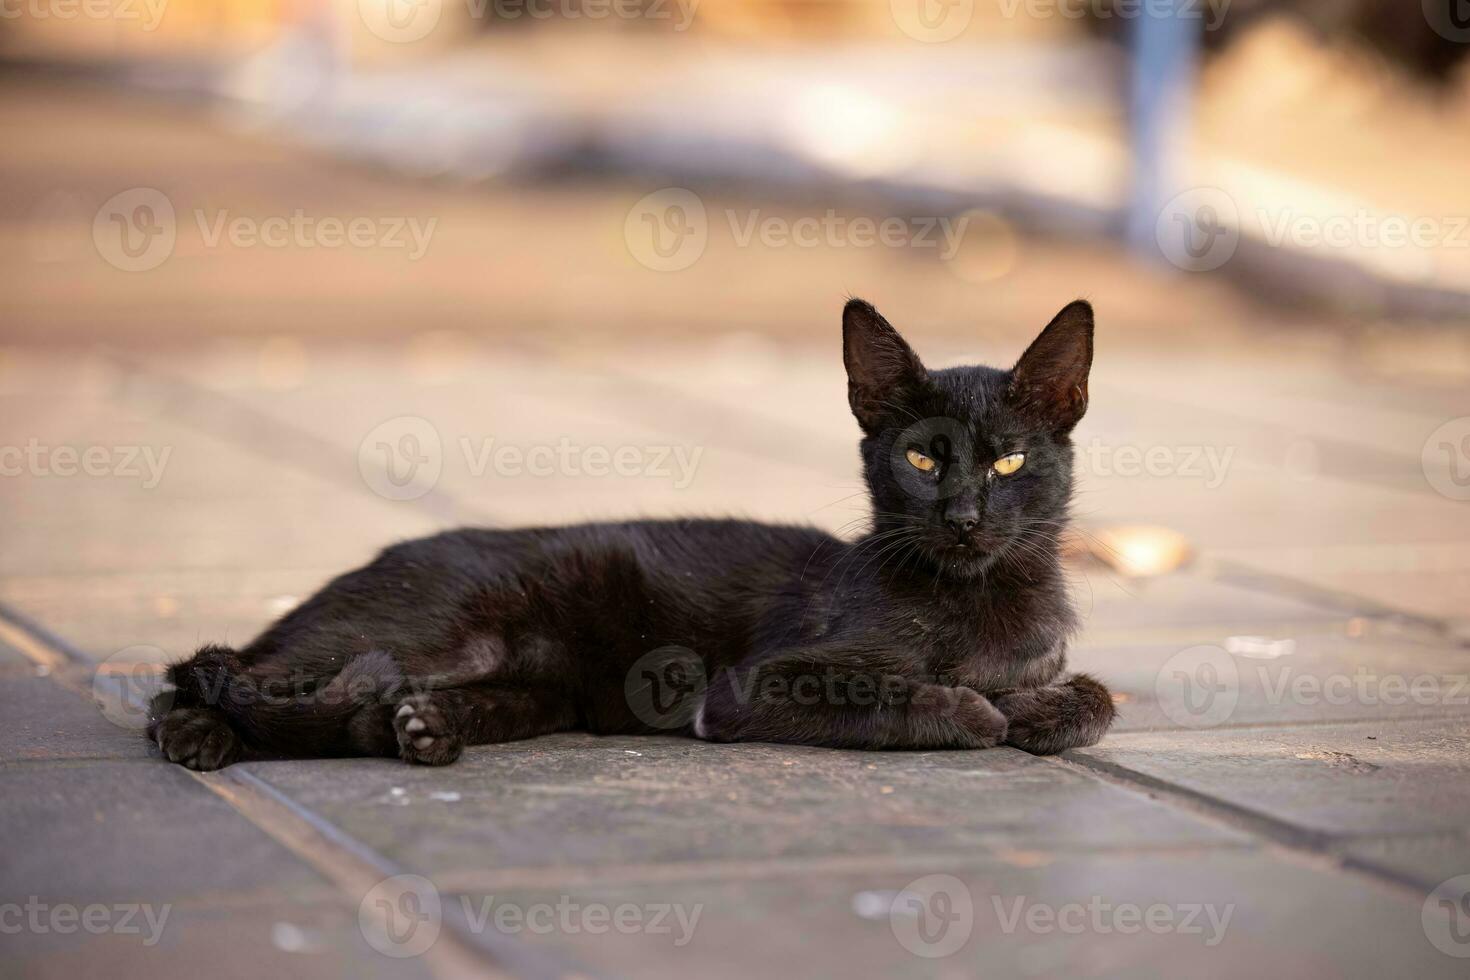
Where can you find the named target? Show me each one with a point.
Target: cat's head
(967, 466)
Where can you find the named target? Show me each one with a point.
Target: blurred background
(283, 223)
(282, 281)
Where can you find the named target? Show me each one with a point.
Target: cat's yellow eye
(919, 461)
(1007, 465)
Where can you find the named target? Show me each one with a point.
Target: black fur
(945, 626)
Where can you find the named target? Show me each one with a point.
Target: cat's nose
(962, 524)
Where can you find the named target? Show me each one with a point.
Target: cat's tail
(277, 712)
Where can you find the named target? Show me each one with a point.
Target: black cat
(944, 627)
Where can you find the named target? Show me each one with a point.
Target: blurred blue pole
(1166, 43)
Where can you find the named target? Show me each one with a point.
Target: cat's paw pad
(425, 732)
(197, 739)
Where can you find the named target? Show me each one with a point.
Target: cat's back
(678, 546)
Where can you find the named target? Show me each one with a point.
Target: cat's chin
(962, 562)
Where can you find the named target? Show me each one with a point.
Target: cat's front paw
(426, 732)
(980, 719)
(1047, 720)
(976, 721)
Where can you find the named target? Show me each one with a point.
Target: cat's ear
(882, 370)
(1049, 382)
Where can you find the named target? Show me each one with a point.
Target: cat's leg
(433, 727)
(1046, 720)
(842, 703)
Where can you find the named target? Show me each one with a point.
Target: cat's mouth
(968, 549)
(973, 543)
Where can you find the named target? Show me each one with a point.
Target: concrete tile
(1043, 915)
(1183, 606)
(45, 722)
(288, 937)
(1427, 587)
(131, 831)
(1282, 678)
(1379, 778)
(164, 614)
(1426, 858)
(12, 659)
(1287, 398)
(215, 505)
(578, 800)
(507, 401)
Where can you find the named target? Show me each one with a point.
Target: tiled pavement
(1315, 782)
(1284, 793)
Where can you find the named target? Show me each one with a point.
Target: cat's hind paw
(426, 733)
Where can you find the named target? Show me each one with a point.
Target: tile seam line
(1303, 845)
(350, 866)
(438, 504)
(36, 643)
(1350, 604)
